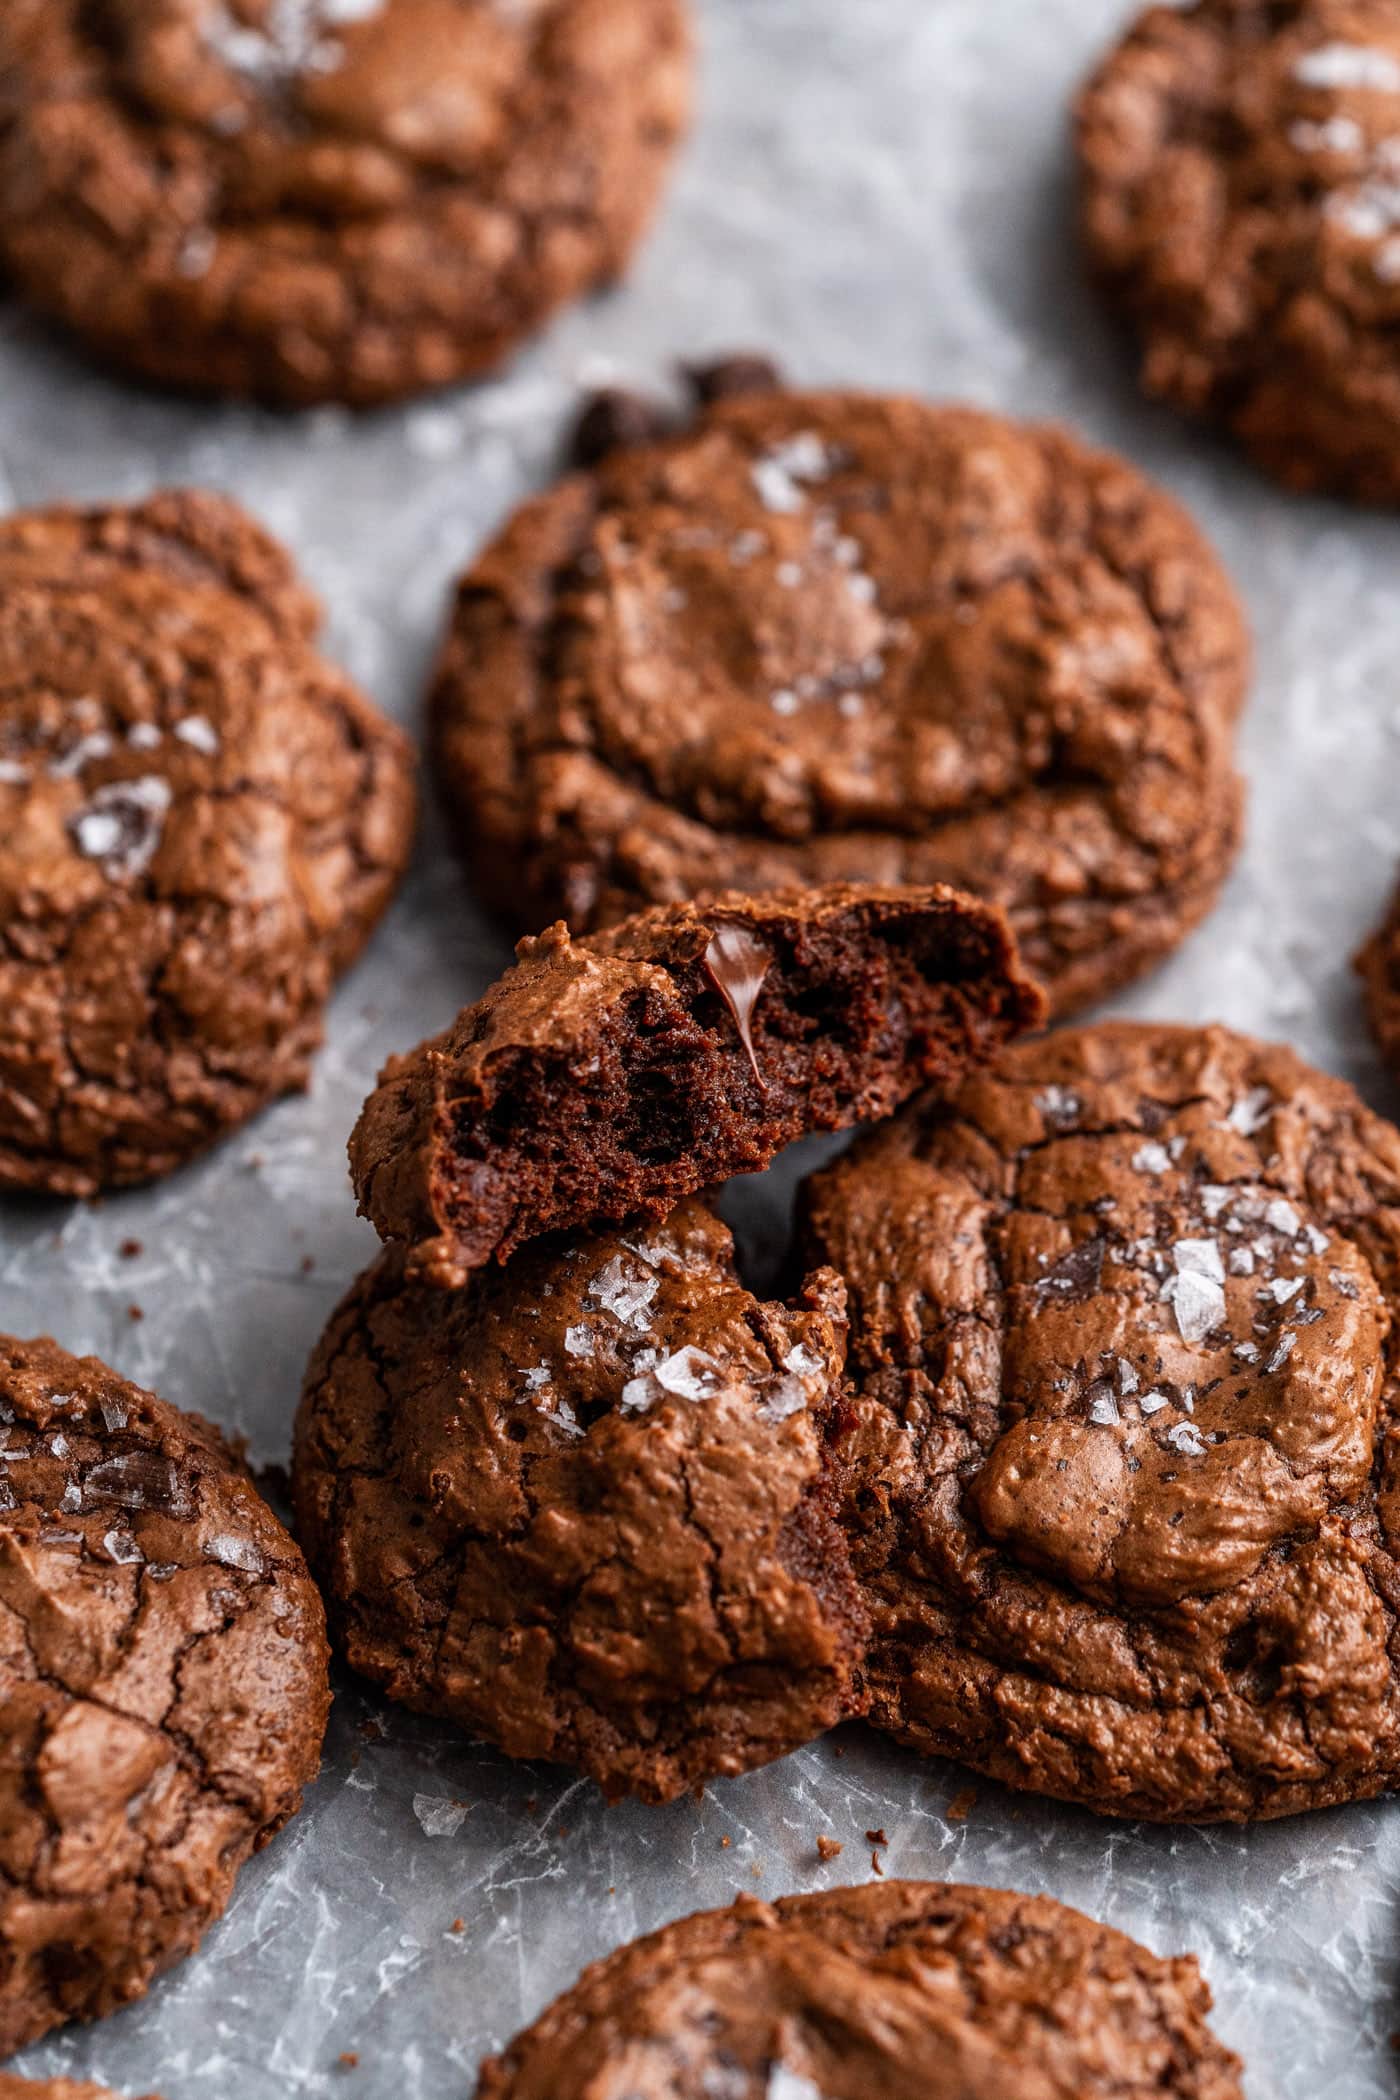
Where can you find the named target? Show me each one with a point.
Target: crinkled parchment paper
(878, 191)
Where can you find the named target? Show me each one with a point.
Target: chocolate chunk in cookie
(610, 419)
(724, 378)
(922, 1989)
(826, 637)
(1239, 170)
(200, 823)
(309, 200)
(163, 1688)
(1121, 1478)
(607, 1078)
(581, 1507)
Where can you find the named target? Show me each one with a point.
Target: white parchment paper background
(878, 192)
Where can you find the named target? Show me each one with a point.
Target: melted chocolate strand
(737, 964)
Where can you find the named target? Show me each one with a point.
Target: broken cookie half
(608, 1078)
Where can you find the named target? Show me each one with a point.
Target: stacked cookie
(582, 1502)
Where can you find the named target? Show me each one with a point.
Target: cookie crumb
(131, 1250)
(961, 1805)
(349, 2060)
(134, 1312)
(828, 1848)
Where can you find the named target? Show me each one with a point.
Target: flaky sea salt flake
(1151, 1159)
(437, 1816)
(199, 733)
(1251, 1112)
(122, 825)
(1287, 1343)
(1342, 65)
(231, 1551)
(1198, 1303)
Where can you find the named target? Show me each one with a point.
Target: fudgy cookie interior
(612, 1077)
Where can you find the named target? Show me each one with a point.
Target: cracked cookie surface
(921, 1988)
(608, 1078)
(201, 822)
(831, 637)
(1241, 203)
(163, 1686)
(328, 200)
(580, 1507)
(1120, 1480)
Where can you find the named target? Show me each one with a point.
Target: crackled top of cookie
(828, 637)
(1122, 1325)
(200, 821)
(920, 1988)
(606, 1078)
(580, 1506)
(328, 199)
(1242, 198)
(162, 1684)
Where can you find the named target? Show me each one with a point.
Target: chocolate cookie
(12, 2088)
(923, 1989)
(1122, 1474)
(1378, 965)
(163, 1687)
(200, 823)
(328, 200)
(827, 637)
(1240, 171)
(605, 1079)
(581, 1507)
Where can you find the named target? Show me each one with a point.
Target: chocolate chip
(724, 378)
(610, 421)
